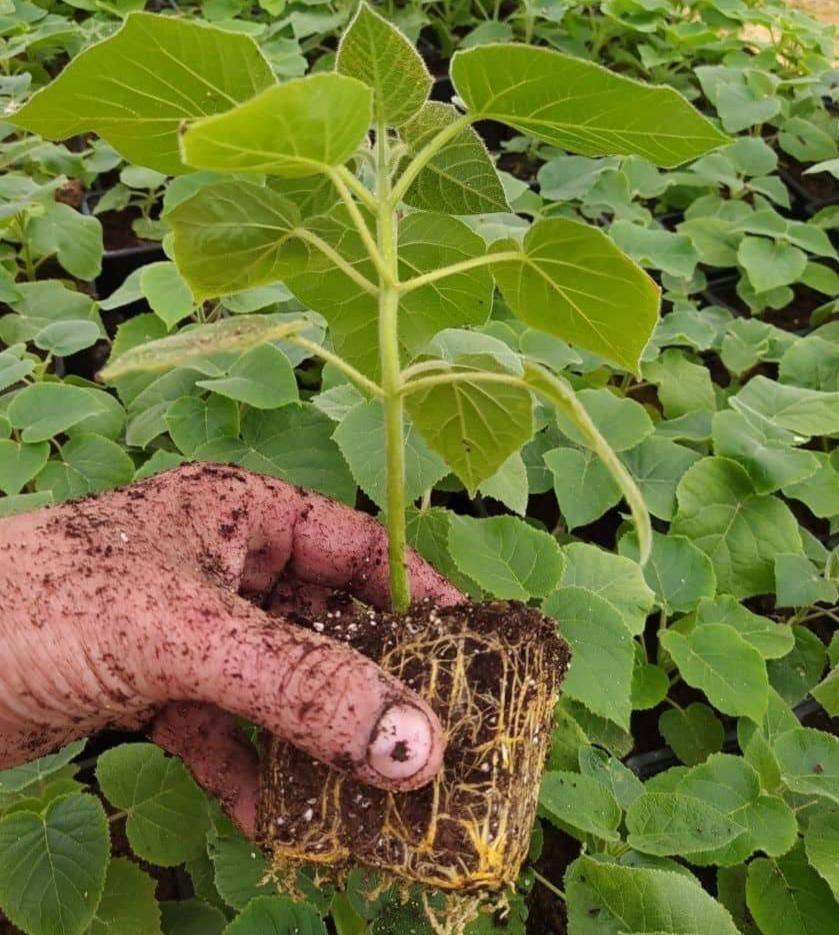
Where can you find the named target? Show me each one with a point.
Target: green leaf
(166, 292)
(460, 178)
(63, 338)
(605, 898)
(620, 420)
(374, 52)
(770, 265)
(581, 802)
(428, 532)
(821, 841)
(671, 823)
(147, 84)
(615, 578)
(361, 438)
(657, 465)
(89, 464)
(671, 253)
(76, 240)
(740, 530)
(293, 443)
(717, 660)
(193, 422)
(572, 282)
(505, 556)
(19, 463)
(679, 573)
(683, 386)
(43, 410)
(12, 369)
(602, 648)
(580, 106)
(769, 637)
(128, 905)
(732, 786)
(799, 583)
(299, 128)
(262, 377)
(820, 491)
(21, 777)
(235, 235)
(624, 785)
(151, 787)
(764, 450)
(809, 761)
(799, 671)
(474, 425)
(787, 897)
(827, 692)
(583, 484)
(650, 686)
(509, 484)
(192, 917)
(693, 733)
(802, 411)
(53, 865)
(240, 867)
(276, 915)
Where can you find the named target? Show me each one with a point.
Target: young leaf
(192, 917)
(21, 777)
(262, 377)
(581, 802)
(809, 761)
(151, 786)
(620, 420)
(640, 899)
(770, 265)
(787, 897)
(657, 465)
(624, 785)
(89, 464)
(799, 583)
(278, 914)
(76, 240)
(799, 671)
(671, 823)
(147, 85)
(235, 235)
(802, 411)
(739, 530)
(771, 639)
(583, 485)
(602, 647)
(571, 281)
(717, 660)
(693, 733)
(303, 127)
(580, 106)
(53, 865)
(475, 425)
(166, 292)
(240, 868)
(19, 463)
(505, 556)
(128, 905)
(460, 178)
(376, 53)
(193, 422)
(43, 410)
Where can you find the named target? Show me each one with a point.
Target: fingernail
(402, 742)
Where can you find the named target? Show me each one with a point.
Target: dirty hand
(144, 605)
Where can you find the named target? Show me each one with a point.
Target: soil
(492, 673)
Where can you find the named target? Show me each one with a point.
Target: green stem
(358, 278)
(427, 153)
(400, 589)
(382, 268)
(356, 376)
(417, 282)
(357, 187)
(548, 885)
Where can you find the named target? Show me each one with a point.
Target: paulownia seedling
(356, 192)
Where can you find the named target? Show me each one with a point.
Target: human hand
(147, 605)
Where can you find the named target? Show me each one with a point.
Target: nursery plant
(470, 357)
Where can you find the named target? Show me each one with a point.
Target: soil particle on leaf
(491, 672)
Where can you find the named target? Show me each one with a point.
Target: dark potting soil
(491, 672)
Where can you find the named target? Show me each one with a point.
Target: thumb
(319, 695)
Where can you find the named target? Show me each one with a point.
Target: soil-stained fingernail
(402, 743)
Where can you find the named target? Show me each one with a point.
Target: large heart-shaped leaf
(580, 106)
(294, 129)
(570, 280)
(137, 87)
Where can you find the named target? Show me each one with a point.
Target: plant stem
(548, 885)
(428, 152)
(358, 278)
(385, 273)
(463, 266)
(356, 376)
(400, 589)
(357, 187)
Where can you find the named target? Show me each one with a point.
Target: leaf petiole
(417, 282)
